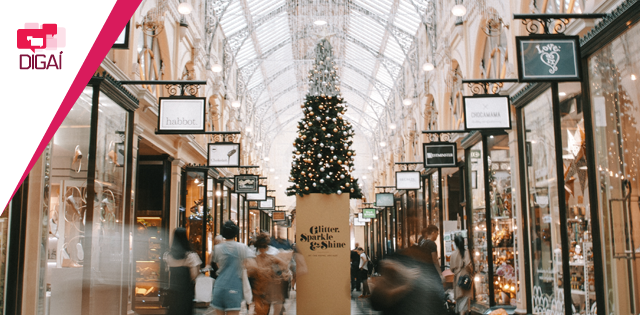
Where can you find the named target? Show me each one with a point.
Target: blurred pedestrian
(183, 265)
(407, 285)
(462, 268)
(428, 245)
(355, 271)
(364, 273)
(230, 257)
(269, 274)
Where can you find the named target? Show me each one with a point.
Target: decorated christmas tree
(323, 158)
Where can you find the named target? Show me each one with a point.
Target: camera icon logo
(47, 36)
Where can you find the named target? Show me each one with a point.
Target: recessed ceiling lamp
(370, 167)
(216, 67)
(266, 158)
(458, 10)
(272, 170)
(375, 157)
(364, 176)
(185, 8)
(236, 104)
(258, 144)
(383, 144)
(277, 177)
(320, 22)
(427, 66)
(248, 129)
(407, 101)
(392, 126)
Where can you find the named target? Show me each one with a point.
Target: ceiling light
(562, 94)
(392, 126)
(277, 177)
(235, 104)
(266, 158)
(320, 22)
(258, 144)
(272, 170)
(216, 67)
(370, 167)
(196, 181)
(383, 144)
(375, 157)
(427, 66)
(633, 77)
(185, 8)
(218, 193)
(364, 176)
(280, 185)
(458, 10)
(407, 101)
(248, 129)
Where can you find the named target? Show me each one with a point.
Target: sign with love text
(548, 58)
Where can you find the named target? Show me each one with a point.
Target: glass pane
(542, 193)
(108, 239)
(435, 199)
(613, 72)
(503, 220)
(479, 225)
(4, 251)
(225, 204)
(399, 235)
(194, 201)
(65, 204)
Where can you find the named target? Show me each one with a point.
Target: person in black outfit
(184, 267)
(428, 245)
(355, 261)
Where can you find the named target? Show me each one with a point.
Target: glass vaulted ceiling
(271, 42)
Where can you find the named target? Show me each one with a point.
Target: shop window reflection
(195, 207)
(614, 86)
(479, 225)
(542, 193)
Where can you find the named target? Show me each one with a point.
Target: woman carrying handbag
(462, 268)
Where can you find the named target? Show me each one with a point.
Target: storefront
(75, 258)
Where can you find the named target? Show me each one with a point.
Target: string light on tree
(322, 155)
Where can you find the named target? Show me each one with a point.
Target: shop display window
(254, 223)
(503, 225)
(84, 222)
(196, 208)
(615, 103)
(4, 251)
(400, 223)
(435, 199)
(479, 225)
(542, 193)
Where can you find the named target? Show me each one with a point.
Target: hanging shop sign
(278, 216)
(122, 42)
(370, 213)
(260, 196)
(440, 154)
(363, 219)
(487, 112)
(269, 204)
(407, 180)
(224, 154)
(358, 222)
(548, 58)
(384, 200)
(246, 184)
(181, 114)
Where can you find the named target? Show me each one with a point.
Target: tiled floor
(358, 307)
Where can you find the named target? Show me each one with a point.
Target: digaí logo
(46, 37)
